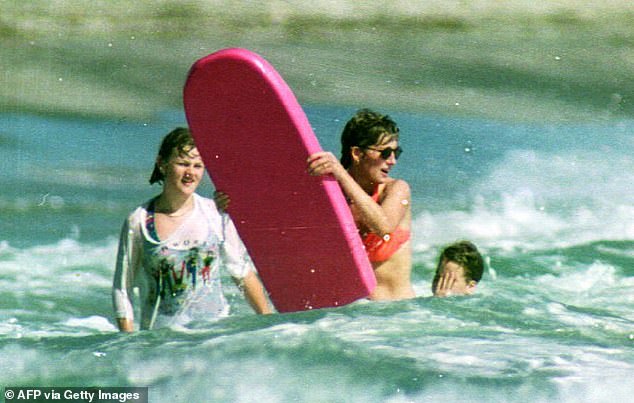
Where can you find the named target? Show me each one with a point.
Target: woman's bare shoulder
(397, 186)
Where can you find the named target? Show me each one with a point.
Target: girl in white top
(173, 246)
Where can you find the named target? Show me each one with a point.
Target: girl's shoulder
(207, 204)
(139, 213)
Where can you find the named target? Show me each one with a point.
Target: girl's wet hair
(365, 129)
(179, 139)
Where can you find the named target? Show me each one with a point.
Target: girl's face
(183, 172)
(373, 164)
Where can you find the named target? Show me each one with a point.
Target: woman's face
(183, 172)
(376, 168)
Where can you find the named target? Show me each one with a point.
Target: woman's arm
(241, 268)
(123, 280)
(254, 294)
(380, 218)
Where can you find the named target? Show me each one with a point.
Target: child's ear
(471, 286)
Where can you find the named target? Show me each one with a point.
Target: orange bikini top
(380, 249)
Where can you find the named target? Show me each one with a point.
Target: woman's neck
(366, 184)
(173, 205)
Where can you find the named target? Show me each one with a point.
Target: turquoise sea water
(550, 205)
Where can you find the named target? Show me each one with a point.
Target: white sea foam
(538, 200)
(67, 260)
(95, 322)
(517, 222)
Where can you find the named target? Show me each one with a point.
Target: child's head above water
(460, 268)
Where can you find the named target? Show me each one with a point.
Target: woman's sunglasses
(386, 152)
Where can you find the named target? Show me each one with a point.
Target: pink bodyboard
(255, 139)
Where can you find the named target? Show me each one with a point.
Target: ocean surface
(551, 206)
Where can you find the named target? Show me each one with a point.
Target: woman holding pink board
(380, 204)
